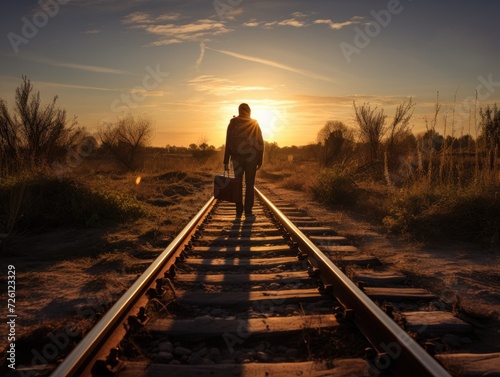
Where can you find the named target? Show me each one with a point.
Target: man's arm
(260, 147)
(227, 149)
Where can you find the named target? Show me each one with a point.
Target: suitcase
(228, 188)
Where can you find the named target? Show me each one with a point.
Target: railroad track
(263, 297)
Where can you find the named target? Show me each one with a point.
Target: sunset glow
(267, 119)
(297, 64)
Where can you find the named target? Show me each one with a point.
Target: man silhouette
(245, 148)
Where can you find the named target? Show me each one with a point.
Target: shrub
(295, 183)
(335, 187)
(469, 214)
(41, 201)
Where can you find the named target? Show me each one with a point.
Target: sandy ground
(66, 279)
(463, 275)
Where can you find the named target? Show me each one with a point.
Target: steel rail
(397, 351)
(79, 361)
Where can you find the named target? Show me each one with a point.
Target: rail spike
(108, 367)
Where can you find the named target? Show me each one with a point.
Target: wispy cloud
(232, 14)
(91, 68)
(170, 31)
(138, 19)
(202, 55)
(74, 86)
(92, 31)
(297, 20)
(219, 86)
(148, 93)
(274, 64)
(81, 67)
(252, 23)
(339, 25)
(109, 5)
(300, 20)
(299, 15)
(288, 22)
(171, 16)
(347, 100)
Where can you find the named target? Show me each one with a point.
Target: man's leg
(238, 173)
(250, 172)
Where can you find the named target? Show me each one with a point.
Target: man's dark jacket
(244, 140)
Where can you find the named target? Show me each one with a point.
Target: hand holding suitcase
(228, 188)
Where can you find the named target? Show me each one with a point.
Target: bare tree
(490, 124)
(337, 142)
(271, 151)
(203, 143)
(34, 135)
(9, 140)
(372, 128)
(399, 130)
(124, 138)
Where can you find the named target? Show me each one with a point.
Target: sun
(272, 116)
(269, 120)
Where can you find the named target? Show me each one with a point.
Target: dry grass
(70, 271)
(103, 255)
(447, 195)
(456, 196)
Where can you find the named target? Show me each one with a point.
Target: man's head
(244, 110)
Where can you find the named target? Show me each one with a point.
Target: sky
(187, 65)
